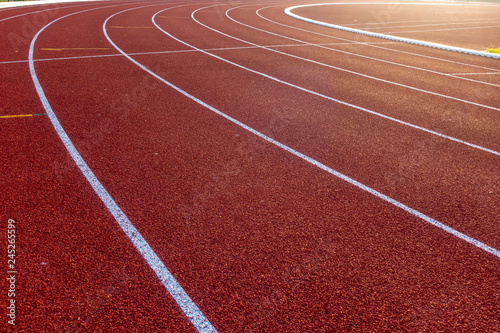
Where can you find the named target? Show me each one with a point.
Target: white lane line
(428, 25)
(327, 97)
(310, 160)
(496, 73)
(365, 57)
(161, 271)
(375, 46)
(39, 11)
(173, 51)
(462, 21)
(436, 30)
(187, 305)
(288, 11)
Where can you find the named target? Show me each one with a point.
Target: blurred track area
(182, 166)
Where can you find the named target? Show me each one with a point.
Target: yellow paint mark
(74, 48)
(494, 50)
(124, 27)
(23, 115)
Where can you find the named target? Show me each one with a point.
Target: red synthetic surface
(473, 26)
(261, 240)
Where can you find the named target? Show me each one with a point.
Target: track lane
(354, 54)
(206, 229)
(76, 270)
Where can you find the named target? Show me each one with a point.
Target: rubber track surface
(260, 239)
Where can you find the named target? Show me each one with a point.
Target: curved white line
(376, 46)
(318, 94)
(187, 305)
(288, 11)
(310, 160)
(449, 29)
(154, 262)
(39, 11)
(367, 57)
(370, 58)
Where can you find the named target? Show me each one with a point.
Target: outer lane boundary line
(167, 279)
(288, 11)
(177, 51)
(325, 96)
(459, 74)
(194, 314)
(308, 159)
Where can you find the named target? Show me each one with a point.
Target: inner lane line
(374, 46)
(426, 25)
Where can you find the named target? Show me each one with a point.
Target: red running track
(263, 159)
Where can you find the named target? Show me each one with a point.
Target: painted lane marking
(463, 21)
(288, 11)
(24, 115)
(174, 17)
(74, 48)
(310, 160)
(434, 30)
(374, 46)
(366, 57)
(496, 73)
(154, 262)
(328, 97)
(384, 48)
(449, 23)
(187, 305)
